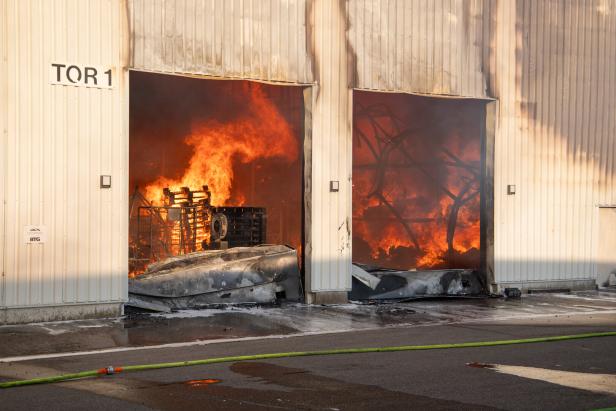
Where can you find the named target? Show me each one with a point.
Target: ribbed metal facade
(57, 141)
(547, 65)
(3, 135)
(421, 46)
(556, 136)
(332, 144)
(249, 39)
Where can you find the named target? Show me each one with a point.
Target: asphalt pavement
(556, 375)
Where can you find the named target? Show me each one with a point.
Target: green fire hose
(132, 368)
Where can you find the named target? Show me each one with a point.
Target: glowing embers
(416, 181)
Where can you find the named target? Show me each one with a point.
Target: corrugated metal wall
(548, 63)
(424, 46)
(249, 39)
(556, 86)
(332, 143)
(3, 135)
(60, 139)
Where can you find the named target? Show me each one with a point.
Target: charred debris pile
(189, 254)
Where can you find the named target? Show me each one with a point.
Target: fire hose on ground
(145, 367)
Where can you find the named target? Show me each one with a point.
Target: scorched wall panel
(426, 46)
(59, 140)
(248, 39)
(330, 259)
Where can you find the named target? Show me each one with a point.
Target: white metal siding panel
(60, 140)
(331, 152)
(248, 39)
(555, 140)
(422, 46)
(3, 135)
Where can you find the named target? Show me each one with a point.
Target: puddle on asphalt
(261, 385)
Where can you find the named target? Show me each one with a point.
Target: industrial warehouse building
(400, 133)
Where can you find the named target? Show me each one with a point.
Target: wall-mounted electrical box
(334, 186)
(105, 181)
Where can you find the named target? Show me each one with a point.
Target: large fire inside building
(416, 181)
(205, 174)
(315, 149)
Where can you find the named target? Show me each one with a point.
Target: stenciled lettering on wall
(81, 75)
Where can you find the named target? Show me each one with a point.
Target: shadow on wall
(567, 87)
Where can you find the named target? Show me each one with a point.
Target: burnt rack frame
(389, 135)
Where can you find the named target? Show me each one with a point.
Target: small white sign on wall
(80, 75)
(35, 234)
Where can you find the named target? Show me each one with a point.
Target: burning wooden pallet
(186, 223)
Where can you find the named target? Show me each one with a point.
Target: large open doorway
(214, 165)
(419, 171)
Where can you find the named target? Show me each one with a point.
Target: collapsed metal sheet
(371, 283)
(234, 276)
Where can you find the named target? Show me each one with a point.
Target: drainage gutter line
(144, 367)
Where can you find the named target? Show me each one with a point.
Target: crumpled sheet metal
(234, 276)
(370, 283)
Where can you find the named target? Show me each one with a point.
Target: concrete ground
(578, 374)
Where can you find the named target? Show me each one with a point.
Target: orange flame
(241, 134)
(263, 133)
(404, 190)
